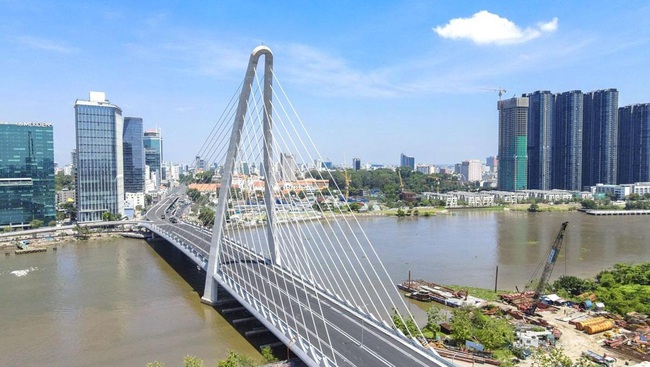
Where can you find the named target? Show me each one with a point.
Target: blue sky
(370, 79)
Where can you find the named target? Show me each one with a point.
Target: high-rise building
(356, 164)
(100, 164)
(600, 137)
(471, 170)
(634, 144)
(493, 163)
(566, 155)
(289, 168)
(513, 158)
(153, 153)
(26, 173)
(406, 161)
(133, 155)
(540, 122)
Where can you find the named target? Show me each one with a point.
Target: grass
(486, 294)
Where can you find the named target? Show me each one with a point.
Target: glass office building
(26, 173)
(513, 144)
(100, 165)
(133, 155)
(153, 146)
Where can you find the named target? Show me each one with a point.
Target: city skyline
(381, 78)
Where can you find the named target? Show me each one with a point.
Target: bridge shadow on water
(229, 308)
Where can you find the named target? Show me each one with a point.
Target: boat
(420, 295)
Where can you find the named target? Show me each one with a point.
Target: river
(119, 302)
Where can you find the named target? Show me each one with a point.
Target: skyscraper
(513, 159)
(566, 156)
(540, 122)
(356, 164)
(153, 153)
(406, 161)
(471, 170)
(600, 137)
(100, 164)
(634, 144)
(26, 173)
(288, 166)
(133, 155)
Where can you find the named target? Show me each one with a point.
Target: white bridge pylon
(280, 244)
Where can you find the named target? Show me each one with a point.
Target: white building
(471, 170)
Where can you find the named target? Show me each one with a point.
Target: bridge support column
(210, 290)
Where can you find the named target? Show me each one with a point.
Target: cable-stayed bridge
(279, 244)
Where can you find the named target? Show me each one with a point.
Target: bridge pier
(210, 291)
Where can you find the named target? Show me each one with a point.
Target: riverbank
(47, 242)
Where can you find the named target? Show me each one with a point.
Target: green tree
(108, 217)
(51, 223)
(588, 204)
(192, 361)
(236, 360)
(434, 318)
(7, 229)
(355, 207)
(148, 199)
(405, 324)
(572, 285)
(267, 355)
(63, 181)
(194, 194)
(206, 216)
(461, 324)
(533, 208)
(36, 223)
(81, 233)
(155, 364)
(556, 357)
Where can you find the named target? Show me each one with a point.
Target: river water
(125, 303)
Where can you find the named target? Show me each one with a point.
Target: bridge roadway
(354, 339)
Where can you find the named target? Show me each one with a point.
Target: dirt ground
(574, 341)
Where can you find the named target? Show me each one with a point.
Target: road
(342, 334)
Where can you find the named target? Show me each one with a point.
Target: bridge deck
(310, 321)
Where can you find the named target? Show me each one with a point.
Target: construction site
(542, 322)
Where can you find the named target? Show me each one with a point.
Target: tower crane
(500, 91)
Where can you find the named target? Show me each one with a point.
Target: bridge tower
(210, 291)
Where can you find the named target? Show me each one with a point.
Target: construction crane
(548, 269)
(500, 90)
(403, 194)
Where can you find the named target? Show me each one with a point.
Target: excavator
(548, 269)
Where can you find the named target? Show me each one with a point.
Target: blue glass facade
(634, 144)
(133, 155)
(540, 135)
(153, 146)
(600, 137)
(406, 161)
(100, 174)
(513, 144)
(567, 141)
(26, 173)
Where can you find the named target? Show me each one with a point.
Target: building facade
(471, 170)
(100, 164)
(356, 164)
(513, 155)
(133, 151)
(153, 154)
(540, 134)
(406, 161)
(634, 144)
(600, 137)
(26, 174)
(566, 156)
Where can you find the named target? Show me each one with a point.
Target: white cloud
(43, 44)
(486, 28)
